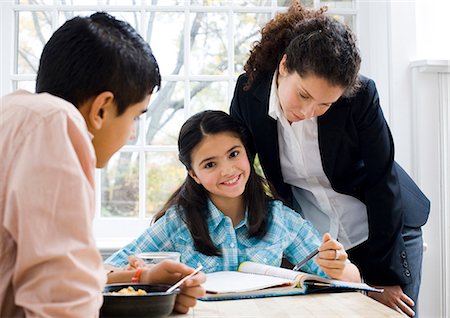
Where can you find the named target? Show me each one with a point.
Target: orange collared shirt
(49, 263)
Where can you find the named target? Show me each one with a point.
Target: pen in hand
(171, 289)
(307, 258)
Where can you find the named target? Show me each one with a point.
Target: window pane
(164, 174)
(247, 28)
(252, 3)
(210, 3)
(337, 3)
(34, 31)
(164, 2)
(209, 43)
(287, 3)
(347, 19)
(27, 85)
(165, 114)
(36, 2)
(63, 16)
(209, 95)
(133, 18)
(99, 2)
(167, 45)
(120, 186)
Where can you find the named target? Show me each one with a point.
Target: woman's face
(304, 97)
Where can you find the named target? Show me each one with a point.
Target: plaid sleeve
(154, 239)
(304, 239)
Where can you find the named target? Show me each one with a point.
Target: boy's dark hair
(90, 55)
(314, 43)
(191, 199)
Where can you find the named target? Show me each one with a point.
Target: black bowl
(156, 303)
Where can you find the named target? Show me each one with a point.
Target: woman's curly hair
(314, 43)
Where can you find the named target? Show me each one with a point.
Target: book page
(262, 269)
(236, 282)
(301, 277)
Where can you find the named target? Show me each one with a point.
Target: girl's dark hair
(191, 199)
(314, 43)
(89, 55)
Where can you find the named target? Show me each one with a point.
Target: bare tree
(120, 185)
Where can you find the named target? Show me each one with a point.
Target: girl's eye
(234, 154)
(209, 165)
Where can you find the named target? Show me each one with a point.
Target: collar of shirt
(216, 217)
(274, 103)
(78, 117)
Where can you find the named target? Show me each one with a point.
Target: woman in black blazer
(323, 142)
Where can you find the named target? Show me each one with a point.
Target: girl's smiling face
(220, 164)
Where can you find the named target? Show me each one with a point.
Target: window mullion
(187, 49)
(110, 227)
(230, 38)
(142, 185)
(8, 52)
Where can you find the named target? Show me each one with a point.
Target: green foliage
(162, 180)
(120, 187)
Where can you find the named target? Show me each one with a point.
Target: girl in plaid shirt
(224, 213)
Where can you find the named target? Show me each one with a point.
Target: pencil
(307, 258)
(171, 289)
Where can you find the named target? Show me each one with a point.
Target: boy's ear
(101, 106)
(194, 176)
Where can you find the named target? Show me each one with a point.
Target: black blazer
(357, 152)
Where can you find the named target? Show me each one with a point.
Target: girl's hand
(333, 261)
(169, 272)
(134, 263)
(190, 291)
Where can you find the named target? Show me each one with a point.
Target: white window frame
(113, 232)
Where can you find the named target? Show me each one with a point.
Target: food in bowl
(155, 303)
(128, 291)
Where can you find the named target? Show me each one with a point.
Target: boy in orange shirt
(95, 78)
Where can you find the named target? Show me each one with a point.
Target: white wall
(433, 27)
(431, 89)
(400, 32)
(418, 116)
(431, 86)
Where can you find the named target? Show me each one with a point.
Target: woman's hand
(394, 297)
(169, 272)
(333, 261)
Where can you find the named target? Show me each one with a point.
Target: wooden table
(349, 304)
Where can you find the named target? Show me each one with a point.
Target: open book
(254, 280)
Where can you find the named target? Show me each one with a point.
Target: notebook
(254, 280)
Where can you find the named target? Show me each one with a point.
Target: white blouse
(343, 216)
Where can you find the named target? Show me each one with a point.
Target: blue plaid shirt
(288, 234)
